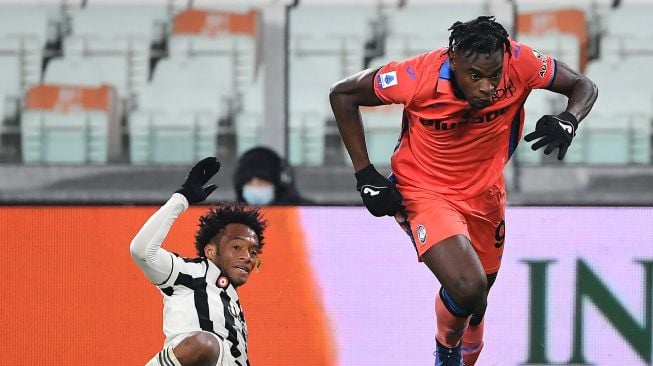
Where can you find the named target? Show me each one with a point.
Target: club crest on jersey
(387, 79)
(421, 234)
(222, 282)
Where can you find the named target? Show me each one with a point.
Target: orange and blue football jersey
(447, 147)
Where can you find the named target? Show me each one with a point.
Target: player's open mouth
(244, 269)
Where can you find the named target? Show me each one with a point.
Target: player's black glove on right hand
(555, 132)
(380, 196)
(193, 188)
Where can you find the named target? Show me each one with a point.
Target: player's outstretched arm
(581, 91)
(379, 194)
(557, 132)
(145, 248)
(346, 97)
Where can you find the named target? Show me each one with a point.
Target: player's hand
(380, 196)
(193, 188)
(554, 132)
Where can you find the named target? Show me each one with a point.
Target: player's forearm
(350, 126)
(582, 98)
(353, 136)
(146, 249)
(346, 97)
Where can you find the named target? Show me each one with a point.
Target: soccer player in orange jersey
(463, 118)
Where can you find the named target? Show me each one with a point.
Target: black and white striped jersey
(196, 296)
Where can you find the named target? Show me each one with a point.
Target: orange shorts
(430, 218)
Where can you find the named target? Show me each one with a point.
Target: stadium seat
(175, 124)
(311, 77)
(181, 98)
(236, 53)
(11, 82)
(20, 67)
(338, 30)
(618, 139)
(350, 53)
(3, 113)
(117, 38)
(430, 20)
(248, 129)
(630, 19)
(310, 80)
(187, 72)
(216, 35)
(70, 125)
(418, 28)
(306, 139)
(402, 46)
(74, 70)
(623, 113)
(616, 48)
(121, 21)
(622, 74)
(619, 132)
(171, 138)
(249, 120)
(124, 61)
(538, 104)
(93, 71)
(332, 21)
(382, 130)
(194, 70)
(25, 21)
(563, 47)
(72, 138)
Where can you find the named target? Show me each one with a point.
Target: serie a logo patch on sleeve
(387, 79)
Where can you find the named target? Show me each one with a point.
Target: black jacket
(264, 163)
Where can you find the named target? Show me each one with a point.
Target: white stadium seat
(562, 47)
(120, 21)
(240, 50)
(171, 138)
(430, 20)
(75, 137)
(175, 124)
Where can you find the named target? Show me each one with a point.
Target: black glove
(555, 132)
(379, 194)
(193, 188)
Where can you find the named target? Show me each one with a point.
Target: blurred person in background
(263, 178)
(463, 118)
(202, 318)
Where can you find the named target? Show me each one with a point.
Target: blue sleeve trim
(553, 74)
(445, 70)
(514, 132)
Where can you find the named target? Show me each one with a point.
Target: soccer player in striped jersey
(202, 318)
(463, 118)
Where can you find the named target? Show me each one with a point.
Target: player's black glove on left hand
(380, 196)
(193, 188)
(554, 132)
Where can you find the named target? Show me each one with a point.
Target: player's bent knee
(199, 349)
(207, 346)
(470, 293)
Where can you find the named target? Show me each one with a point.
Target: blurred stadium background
(96, 92)
(106, 103)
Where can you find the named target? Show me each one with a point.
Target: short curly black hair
(222, 215)
(481, 35)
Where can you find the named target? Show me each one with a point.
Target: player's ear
(211, 250)
(452, 59)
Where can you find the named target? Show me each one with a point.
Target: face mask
(258, 195)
